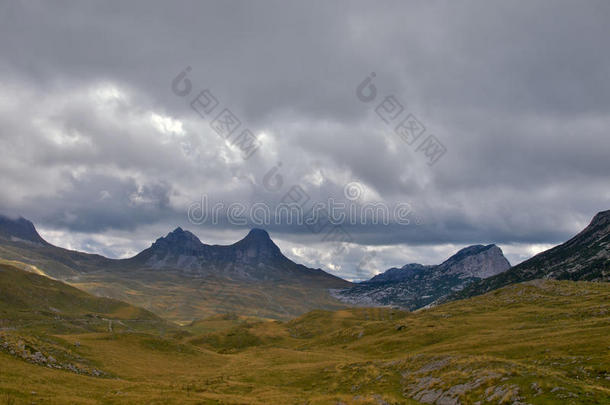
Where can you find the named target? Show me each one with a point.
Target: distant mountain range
(478, 269)
(181, 278)
(254, 258)
(414, 285)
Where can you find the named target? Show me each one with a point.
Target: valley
(242, 324)
(521, 344)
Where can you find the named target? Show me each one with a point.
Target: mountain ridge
(252, 249)
(584, 257)
(182, 279)
(255, 247)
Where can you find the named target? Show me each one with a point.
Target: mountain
(414, 285)
(20, 230)
(254, 258)
(181, 278)
(183, 250)
(20, 241)
(584, 257)
(477, 261)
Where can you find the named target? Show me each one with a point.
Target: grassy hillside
(27, 297)
(541, 342)
(35, 310)
(53, 266)
(182, 299)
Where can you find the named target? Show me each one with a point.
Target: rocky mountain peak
(259, 235)
(182, 249)
(479, 261)
(258, 244)
(178, 241)
(180, 235)
(415, 286)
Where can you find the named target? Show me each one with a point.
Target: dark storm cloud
(93, 139)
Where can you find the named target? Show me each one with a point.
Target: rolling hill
(539, 342)
(34, 309)
(28, 299)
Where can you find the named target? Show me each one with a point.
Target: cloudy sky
(104, 155)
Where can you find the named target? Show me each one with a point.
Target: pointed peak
(181, 232)
(480, 261)
(259, 240)
(258, 233)
(179, 235)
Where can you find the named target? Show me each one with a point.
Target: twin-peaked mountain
(180, 277)
(254, 258)
(179, 251)
(414, 285)
(182, 249)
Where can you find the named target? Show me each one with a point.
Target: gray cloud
(93, 140)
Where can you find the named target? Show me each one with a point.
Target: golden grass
(538, 342)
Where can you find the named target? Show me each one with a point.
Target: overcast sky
(99, 151)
